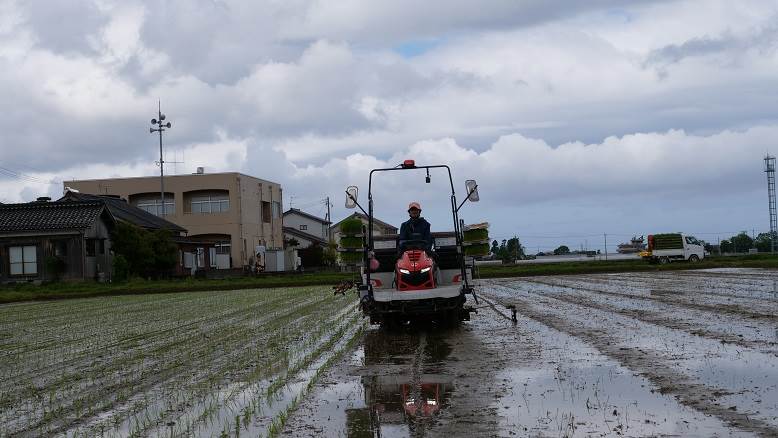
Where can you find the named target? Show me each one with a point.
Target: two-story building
(305, 228)
(238, 212)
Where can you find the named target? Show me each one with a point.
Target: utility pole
(605, 235)
(769, 168)
(329, 221)
(160, 129)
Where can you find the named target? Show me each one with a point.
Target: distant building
(238, 212)
(55, 240)
(380, 228)
(306, 228)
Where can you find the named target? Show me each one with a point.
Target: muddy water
(547, 375)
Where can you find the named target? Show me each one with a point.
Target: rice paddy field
(670, 353)
(205, 363)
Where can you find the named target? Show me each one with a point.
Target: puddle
(393, 385)
(575, 390)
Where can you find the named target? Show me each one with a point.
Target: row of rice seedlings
(121, 383)
(204, 361)
(345, 344)
(73, 324)
(241, 395)
(100, 334)
(265, 407)
(218, 374)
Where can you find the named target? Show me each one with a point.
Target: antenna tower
(769, 168)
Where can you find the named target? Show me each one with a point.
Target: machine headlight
(425, 270)
(404, 271)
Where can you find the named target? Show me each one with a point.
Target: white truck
(664, 248)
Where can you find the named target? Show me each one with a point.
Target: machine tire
(452, 318)
(693, 258)
(664, 260)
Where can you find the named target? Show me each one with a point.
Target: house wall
(243, 222)
(312, 227)
(100, 264)
(67, 246)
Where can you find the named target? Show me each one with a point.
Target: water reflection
(406, 389)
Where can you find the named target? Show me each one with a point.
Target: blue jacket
(416, 229)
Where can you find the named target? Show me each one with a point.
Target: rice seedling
(160, 364)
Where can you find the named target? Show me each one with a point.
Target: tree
(147, 253)
(763, 243)
(495, 247)
(330, 256)
(131, 243)
(726, 246)
(291, 242)
(742, 242)
(513, 249)
(165, 251)
(562, 250)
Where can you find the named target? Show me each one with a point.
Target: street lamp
(159, 122)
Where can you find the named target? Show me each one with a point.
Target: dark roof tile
(123, 211)
(48, 216)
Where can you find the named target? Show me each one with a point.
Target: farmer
(416, 228)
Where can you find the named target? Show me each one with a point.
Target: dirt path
(578, 363)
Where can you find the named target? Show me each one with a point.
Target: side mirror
(351, 196)
(472, 190)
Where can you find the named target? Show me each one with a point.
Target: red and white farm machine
(396, 287)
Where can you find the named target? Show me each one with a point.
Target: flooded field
(650, 354)
(188, 364)
(682, 354)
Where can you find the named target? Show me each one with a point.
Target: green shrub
(477, 250)
(351, 242)
(121, 269)
(351, 226)
(476, 235)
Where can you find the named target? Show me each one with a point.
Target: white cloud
(542, 102)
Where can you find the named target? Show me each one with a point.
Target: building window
(61, 248)
(303, 227)
(24, 260)
(265, 212)
(154, 206)
(90, 247)
(276, 209)
(210, 204)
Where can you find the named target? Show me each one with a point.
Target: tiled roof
(304, 214)
(123, 211)
(49, 216)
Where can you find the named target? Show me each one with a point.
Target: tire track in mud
(650, 365)
(761, 296)
(731, 309)
(655, 318)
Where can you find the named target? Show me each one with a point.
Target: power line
(25, 177)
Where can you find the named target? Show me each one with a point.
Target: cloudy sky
(576, 118)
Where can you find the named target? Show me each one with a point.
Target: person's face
(414, 213)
